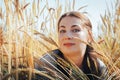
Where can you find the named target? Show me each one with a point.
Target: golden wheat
(30, 27)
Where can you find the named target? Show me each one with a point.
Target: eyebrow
(75, 25)
(71, 26)
(62, 26)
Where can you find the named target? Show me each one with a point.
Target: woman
(74, 35)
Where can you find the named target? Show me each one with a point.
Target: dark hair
(79, 15)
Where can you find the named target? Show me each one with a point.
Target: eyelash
(62, 31)
(74, 30)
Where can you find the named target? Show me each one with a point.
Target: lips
(68, 44)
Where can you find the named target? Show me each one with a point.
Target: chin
(68, 52)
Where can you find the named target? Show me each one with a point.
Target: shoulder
(97, 67)
(99, 63)
(102, 69)
(48, 59)
(46, 64)
(50, 55)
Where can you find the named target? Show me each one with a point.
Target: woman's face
(69, 28)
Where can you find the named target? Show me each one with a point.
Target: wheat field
(27, 28)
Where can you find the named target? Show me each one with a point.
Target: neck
(76, 58)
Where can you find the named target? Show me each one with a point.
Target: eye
(75, 30)
(62, 31)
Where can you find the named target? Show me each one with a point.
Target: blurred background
(28, 30)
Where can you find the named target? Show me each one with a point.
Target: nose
(68, 36)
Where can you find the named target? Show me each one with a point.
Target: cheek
(83, 36)
(60, 39)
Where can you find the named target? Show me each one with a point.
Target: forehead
(69, 21)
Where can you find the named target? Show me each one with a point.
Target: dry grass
(109, 47)
(27, 28)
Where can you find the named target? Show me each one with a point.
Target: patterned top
(55, 66)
